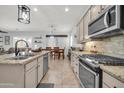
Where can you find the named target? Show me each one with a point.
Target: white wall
(61, 42)
(14, 36)
(73, 39)
(11, 43)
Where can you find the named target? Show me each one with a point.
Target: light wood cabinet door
(75, 64)
(81, 30)
(109, 81)
(31, 75)
(95, 11)
(40, 68)
(85, 25)
(1, 40)
(77, 34)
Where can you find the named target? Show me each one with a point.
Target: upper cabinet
(77, 36)
(81, 30)
(95, 11)
(83, 27)
(1, 40)
(86, 19)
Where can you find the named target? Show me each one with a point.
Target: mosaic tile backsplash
(113, 46)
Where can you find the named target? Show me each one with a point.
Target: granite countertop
(81, 52)
(5, 59)
(115, 71)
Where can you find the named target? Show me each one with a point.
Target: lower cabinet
(40, 69)
(75, 64)
(34, 73)
(31, 75)
(111, 82)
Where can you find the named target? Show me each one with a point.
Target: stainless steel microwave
(110, 22)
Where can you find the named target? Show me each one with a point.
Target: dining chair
(56, 52)
(61, 53)
(48, 48)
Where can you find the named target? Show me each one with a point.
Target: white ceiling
(43, 18)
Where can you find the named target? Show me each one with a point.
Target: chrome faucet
(16, 48)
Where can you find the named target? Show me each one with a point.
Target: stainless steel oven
(90, 76)
(110, 20)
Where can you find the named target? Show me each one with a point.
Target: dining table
(53, 51)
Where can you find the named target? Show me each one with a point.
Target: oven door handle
(95, 73)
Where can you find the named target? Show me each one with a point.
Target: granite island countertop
(5, 59)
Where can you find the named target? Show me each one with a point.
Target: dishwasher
(45, 64)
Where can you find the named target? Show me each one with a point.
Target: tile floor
(61, 74)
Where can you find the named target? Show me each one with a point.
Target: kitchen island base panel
(11, 76)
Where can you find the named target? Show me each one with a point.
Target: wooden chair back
(48, 48)
(56, 49)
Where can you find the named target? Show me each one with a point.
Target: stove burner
(104, 59)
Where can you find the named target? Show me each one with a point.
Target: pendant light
(52, 36)
(23, 14)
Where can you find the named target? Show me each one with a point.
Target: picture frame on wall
(7, 40)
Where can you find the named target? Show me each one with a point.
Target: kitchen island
(22, 73)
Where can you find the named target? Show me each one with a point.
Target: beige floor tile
(61, 74)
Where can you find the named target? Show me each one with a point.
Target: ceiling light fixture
(23, 14)
(52, 29)
(35, 9)
(66, 9)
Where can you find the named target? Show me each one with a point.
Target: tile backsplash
(113, 46)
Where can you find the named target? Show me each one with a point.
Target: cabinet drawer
(30, 65)
(111, 81)
(40, 59)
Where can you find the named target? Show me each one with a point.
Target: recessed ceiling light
(35, 9)
(66, 9)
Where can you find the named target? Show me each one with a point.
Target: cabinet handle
(114, 87)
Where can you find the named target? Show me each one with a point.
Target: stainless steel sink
(18, 58)
(21, 57)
